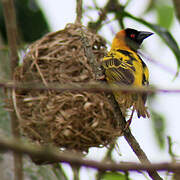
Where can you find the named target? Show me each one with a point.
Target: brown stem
(131, 140)
(107, 158)
(177, 8)
(53, 155)
(59, 172)
(78, 11)
(90, 56)
(11, 28)
(95, 26)
(89, 87)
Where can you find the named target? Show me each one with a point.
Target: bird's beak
(143, 35)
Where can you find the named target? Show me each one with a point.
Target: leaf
(165, 15)
(31, 21)
(159, 127)
(169, 40)
(150, 6)
(114, 176)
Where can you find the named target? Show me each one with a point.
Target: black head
(135, 38)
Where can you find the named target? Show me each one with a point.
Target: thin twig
(177, 8)
(75, 169)
(59, 172)
(89, 87)
(53, 155)
(170, 151)
(131, 139)
(107, 158)
(79, 11)
(111, 6)
(95, 26)
(10, 20)
(11, 28)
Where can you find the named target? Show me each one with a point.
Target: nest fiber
(69, 120)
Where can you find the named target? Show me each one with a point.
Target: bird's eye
(132, 36)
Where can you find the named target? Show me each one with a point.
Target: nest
(68, 120)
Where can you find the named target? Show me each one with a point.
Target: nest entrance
(70, 120)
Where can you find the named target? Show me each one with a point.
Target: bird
(123, 66)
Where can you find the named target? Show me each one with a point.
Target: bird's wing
(145, 79)
(117, 71)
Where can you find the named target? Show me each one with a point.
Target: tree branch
(54, 155)
(177, 8)
(11, 28)
(90, 56)
(95, 26)
(89, 87)
(79, 11)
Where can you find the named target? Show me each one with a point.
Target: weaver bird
(123, 66)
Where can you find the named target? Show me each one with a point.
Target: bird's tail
(141, 109)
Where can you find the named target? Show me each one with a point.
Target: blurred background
(35, 18)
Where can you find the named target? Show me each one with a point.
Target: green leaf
(165, 15)
(31, 22)
(159, 127)
(169, 40)
(150, 6)
(114, 176)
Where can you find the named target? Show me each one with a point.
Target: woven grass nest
(68, 120)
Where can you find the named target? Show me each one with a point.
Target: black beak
(143, 35)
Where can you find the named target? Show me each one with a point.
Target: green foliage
(169, 40)
(164, 10)
(30, 19)
(39, 172)
(115, 176)
(159, 127)
(165, 14)
(4, 117)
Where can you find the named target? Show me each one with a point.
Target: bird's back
(125, 67)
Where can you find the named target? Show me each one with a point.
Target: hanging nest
(68, 120)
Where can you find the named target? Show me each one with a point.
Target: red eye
(132, 35)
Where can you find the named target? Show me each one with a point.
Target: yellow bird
(123, 66)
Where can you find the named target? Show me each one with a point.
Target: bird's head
(130, 39)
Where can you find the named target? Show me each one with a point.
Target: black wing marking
(117, 71)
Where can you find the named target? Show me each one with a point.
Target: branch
(54, 155)
(107, 158)
(90, 56)
(111, 6)
(131, 139)
(79, 11)
(95, 26)
(177, 8)
(11, 28)
(59, 172)
(79, 87)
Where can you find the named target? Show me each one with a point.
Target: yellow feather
(123, 66)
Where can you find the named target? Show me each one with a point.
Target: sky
(59, 14)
